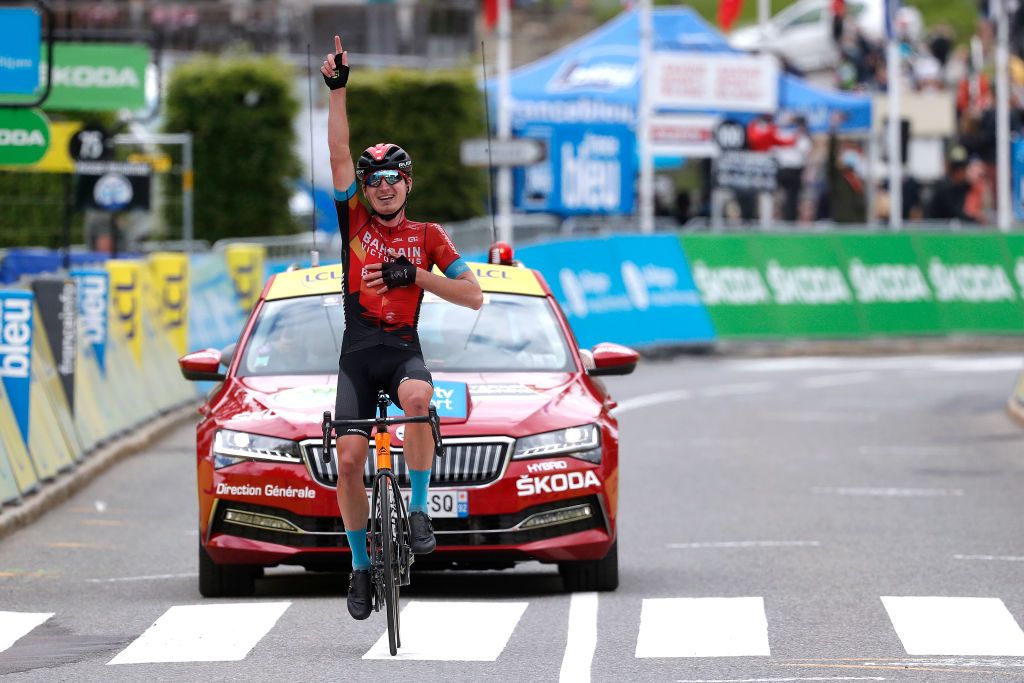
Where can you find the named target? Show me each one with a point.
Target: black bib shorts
(362, 373)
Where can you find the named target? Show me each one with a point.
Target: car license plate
(443, 504)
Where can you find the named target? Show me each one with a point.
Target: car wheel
(225, 580)
(592, 575)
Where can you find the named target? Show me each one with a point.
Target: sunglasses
(375, 178)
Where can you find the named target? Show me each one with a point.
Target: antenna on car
(490, 162)
(314, 255)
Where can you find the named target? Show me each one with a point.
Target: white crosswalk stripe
(439, 630)
(955, 626)
(203, 633)
(458, 631)
(703, 627)
(15, 625)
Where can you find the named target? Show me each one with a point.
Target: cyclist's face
(385, 198)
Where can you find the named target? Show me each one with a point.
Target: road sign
(89, 144)
(511, 152)
(746, 171)
(731, 135)
(160, 162)
(20, 38)
(113, 186)
(24, 136)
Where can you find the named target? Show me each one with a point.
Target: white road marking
(452, 631)
(744, 544)
(151, 577)
(885, 491)
(15, 625)
(203, 633)
(703, 627)
(843, 379)
(646, 400)
(579, 650)
(955, 626)
(809, 416)
(996, 364)
(926, 362)
(899, 451)
(991, 558)
(737, 389)
(773, 680)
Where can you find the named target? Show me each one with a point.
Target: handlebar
(328, 425)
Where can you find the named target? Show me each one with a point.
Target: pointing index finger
(337, 44)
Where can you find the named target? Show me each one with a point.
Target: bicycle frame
(387, 549)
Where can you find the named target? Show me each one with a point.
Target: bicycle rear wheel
(389, 551)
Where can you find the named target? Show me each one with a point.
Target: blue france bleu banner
(16, 352)
(93, 306)
(634, 290)
(589, 170)
(214, 319)
(1017, 182)
(449, 400)
(19, 50)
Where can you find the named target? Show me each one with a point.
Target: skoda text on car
(530, 470)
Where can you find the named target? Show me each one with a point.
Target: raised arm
(342, 170)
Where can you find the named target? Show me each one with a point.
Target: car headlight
(583, 442)
(230, 447)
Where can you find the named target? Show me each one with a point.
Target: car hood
(499, 403)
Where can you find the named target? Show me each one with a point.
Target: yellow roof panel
(328, 279)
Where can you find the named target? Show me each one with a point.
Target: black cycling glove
(399, 273)
(340, 77)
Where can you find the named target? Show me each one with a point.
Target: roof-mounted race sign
(328, 279)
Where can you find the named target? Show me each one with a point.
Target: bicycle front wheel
(389, 552)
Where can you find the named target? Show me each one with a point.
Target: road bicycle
(389, 536)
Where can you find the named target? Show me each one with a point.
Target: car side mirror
(613, 359)
(227, 354)
(202, 365)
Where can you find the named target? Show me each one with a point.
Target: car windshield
(509, 333)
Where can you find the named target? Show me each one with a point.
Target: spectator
(838, 20)
(792, 159)
(846, 199)
(949, 196)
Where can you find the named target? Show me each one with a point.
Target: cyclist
(386, 261)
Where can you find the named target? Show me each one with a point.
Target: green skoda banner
(889, 285)
(859, 284)
(24, 136)
(96, 77)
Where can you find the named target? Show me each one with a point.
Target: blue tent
(596, 78)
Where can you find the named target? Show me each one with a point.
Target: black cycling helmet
(381, 157)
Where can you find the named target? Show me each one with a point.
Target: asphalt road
(826, 519)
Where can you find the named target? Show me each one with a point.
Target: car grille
(470, 463)
(478, 530)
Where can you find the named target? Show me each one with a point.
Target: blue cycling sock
(420, 480)
(357, 542)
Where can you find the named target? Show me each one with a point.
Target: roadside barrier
(855, 285)
(89, 357)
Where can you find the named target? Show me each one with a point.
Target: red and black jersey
(372, 319)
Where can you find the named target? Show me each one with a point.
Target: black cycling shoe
(422, 533)
(360, 588)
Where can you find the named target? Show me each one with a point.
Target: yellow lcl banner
(126, 302)
(245, 265)
(168, 276)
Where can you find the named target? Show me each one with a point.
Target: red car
(531, 466)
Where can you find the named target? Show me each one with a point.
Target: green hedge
(240, 110)
(428, 114)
